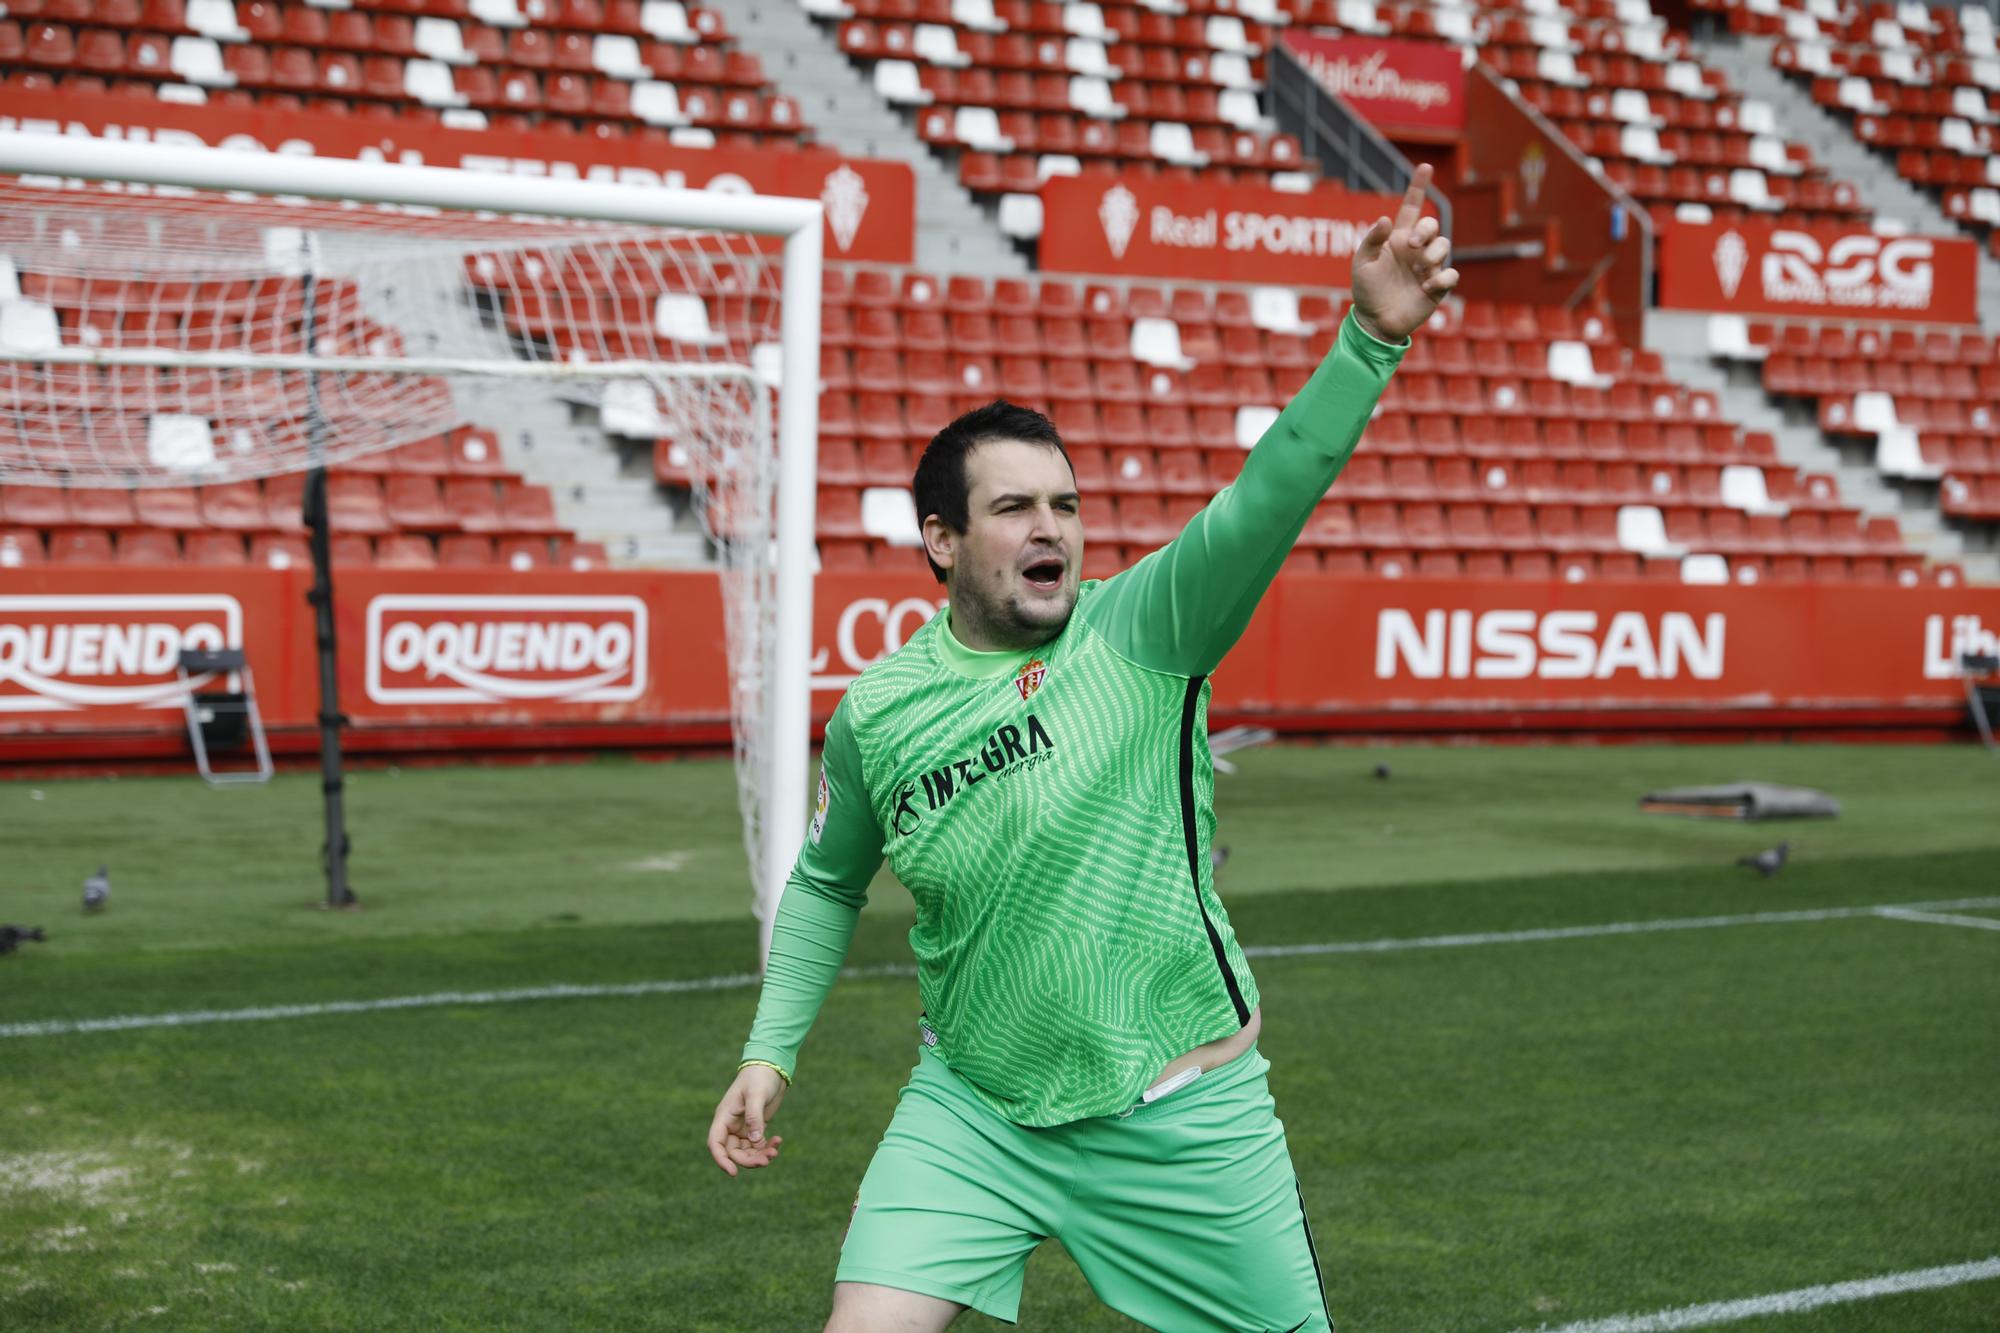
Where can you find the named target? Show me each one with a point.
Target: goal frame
(798, 222)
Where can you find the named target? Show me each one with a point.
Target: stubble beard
(1011, 622)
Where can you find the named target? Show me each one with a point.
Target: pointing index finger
(1413, 199)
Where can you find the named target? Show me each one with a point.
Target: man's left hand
(1401, 268)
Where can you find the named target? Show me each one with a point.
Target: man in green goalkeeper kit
(1034, 763)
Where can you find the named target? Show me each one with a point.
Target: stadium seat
(149, 546)
(474, 502)
(351, 550)
(20, 546)
(80, 546)
(102, 507)
(34, 506)
(404, 551)
(214, 548)
(167, 507)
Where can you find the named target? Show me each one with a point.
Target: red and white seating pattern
(1025, 89)
(449, 501)
(1930, 401)
(1515, 440)
(647, 68)
(1920, 82)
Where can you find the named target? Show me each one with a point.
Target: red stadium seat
(354, 503)
(215, 548)
(527, 508)
(102, 507)
(81, 546)
(279, 552)
(404, 551)
(34, 506)
(237, 505)
(167, 507)
(149, 546)
(464, 551)
(413, 502)
(20, 546)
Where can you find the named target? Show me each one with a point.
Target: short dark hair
(941, 487)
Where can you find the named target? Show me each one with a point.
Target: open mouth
(1044, 575)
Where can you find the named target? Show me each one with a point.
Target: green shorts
(1184, 1213)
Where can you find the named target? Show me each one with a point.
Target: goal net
(189, 317)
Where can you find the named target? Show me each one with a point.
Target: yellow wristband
(767, 1065)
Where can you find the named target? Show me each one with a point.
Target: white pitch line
(1786, 1302)
(1613, 928)
(1938, 918)
(54, 1027)
(194, 1017)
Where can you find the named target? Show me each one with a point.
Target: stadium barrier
(456, 661)
(1414, 92)
(1206, 232)
(1818, 272)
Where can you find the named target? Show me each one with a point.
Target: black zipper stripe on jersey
(1313, 1250)
(1189, 830)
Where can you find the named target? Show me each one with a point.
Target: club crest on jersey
(1029, 678)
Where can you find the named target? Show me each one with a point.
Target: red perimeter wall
(446, 661)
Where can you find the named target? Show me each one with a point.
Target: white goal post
(776, 674)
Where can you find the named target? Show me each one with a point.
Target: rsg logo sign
(1861, 270)
(465, 649)
(62, 652)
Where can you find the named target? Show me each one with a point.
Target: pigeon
(1381, 772)
(1216, 857)
(1768, 862)
(11, 937)
(97, 890)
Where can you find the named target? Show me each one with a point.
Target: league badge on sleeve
(1029, 678)
(819, 807)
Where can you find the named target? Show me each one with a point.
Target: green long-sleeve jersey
(1051, 810)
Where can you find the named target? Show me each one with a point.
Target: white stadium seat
(1021, 216)
(199, 60)
(214, 19)
(937, 44)
(1251, 423)
(430, 82)
(442, 40)
(657, 102)
(1157, 342)
(667, 21)
(890, 513)
(898, 83)
(616, 56)
(1643, 528)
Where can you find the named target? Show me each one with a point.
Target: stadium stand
(641, 68)
(1022, 91)
(1518, 441)
(1919, 83)
(1926, 403)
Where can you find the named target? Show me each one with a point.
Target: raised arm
(1183, 607)
(809, 941)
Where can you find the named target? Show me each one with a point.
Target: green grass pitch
(1493, 1136)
